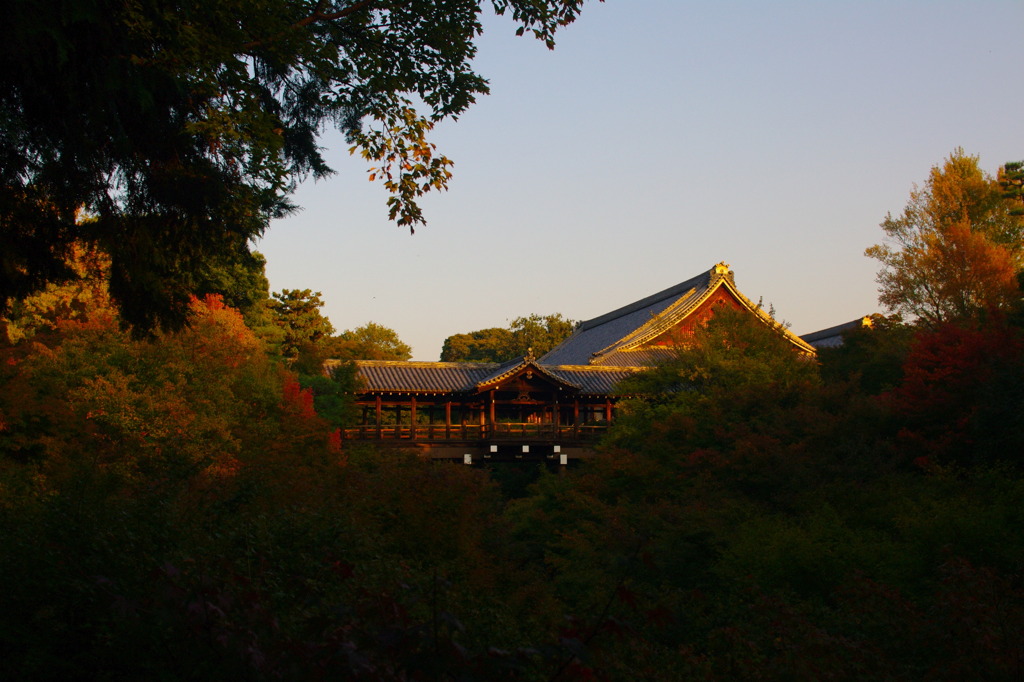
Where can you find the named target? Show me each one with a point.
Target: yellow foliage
(76, 300)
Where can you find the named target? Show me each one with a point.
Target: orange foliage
(970, 271)
(954, 250)
(204, 402)
(78, 300)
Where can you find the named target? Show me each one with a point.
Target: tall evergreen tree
(183, 128)
(297, 313)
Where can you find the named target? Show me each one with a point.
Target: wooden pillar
(448, 419)
(380, 433)
(556, 416)
(608, 411)
(576, 417)
(412, 417)
(490, 398)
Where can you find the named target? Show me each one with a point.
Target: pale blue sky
(657, 139)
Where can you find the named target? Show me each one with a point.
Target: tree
(962, 394)
(372, 341)
(955, 250)
(484, 345)
(84, 297)
(297, 314)
(182, 130)
(870, 356)
(732, 350)
(1011, 181)
(241, 282)
(535, 334)
(735, 397)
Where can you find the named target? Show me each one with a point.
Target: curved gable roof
(512, 367)
(593, 336)
(618, 337)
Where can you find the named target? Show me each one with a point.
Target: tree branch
(317, 15)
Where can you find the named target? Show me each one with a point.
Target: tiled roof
(635, 357)
(611, 328)
(422, 377)
(500, 371)
(617, 338)
(593, 380)
(510, 367)
(833, 336)
(376, 376)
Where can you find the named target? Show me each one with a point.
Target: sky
(661, 137)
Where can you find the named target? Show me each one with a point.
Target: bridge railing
(475, 432)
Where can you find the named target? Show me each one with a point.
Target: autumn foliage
(176, 507)
(961, 398)
(183, 506)
(956, 248)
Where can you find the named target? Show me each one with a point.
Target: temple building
(833, 337)
(552, 407)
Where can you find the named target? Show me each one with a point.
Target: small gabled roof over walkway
(432, 378)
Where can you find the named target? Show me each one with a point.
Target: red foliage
(950, 389)
(297, 401)
(334, 440)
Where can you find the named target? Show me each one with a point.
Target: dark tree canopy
(182, 128)
(483, 345)
(297, 313)
(871, 356)
(535, 334)
(372, 341)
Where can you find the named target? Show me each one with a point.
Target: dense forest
(176, 501)
(179, 505)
